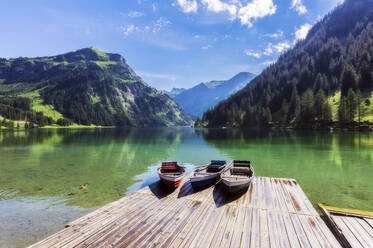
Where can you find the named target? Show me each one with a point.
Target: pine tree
(319, 104)
(294, 108)
(352, 104)
(327, 112)
(348, 80)
(342, 110)
(307, 112)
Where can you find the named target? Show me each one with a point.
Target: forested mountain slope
(196, 100)
(85, 87)
(326, 77)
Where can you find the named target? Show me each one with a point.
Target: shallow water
(41, 170)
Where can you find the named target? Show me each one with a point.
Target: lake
(42, 170)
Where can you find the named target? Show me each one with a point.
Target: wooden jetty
(273, 212)
(354, 228)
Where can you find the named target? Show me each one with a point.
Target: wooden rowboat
(171, 174)
(208, 174)
(237, 176)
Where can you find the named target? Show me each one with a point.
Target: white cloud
(157, 26)
(219, 6)
(254, 10)
(279, 33)
(268, 62)
(301, 33)
(282, 46)
(206, 47)
(196, 36)
(247, 14)
(188, 6)
(171, 77)
(154, 7)
(269, 50)
(160, 24)
(249, 52)
(135, 14)
(127, 30)
(299, 7)
(279, 48)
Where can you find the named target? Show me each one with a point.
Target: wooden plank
(272, 213)
(291, 232)
(229, 228)
(182, 216)
(370, 221)
(358, 231)
(274, 235)
(190, 233)
(302, 237)
(366, 226)
(75, 231)
(273, 193)
(123, 225)
(247, 228)
(282, 232)
(262, 194)
(264, 233)
(286, 197)
(278, 195)
(219, 234)
(309, 228)
(142, 231)
(305, 199)
(347, 232)
(208, 228)
(324, 233)
(238, 228)
(183, 234)
(268, 195)
(255, 231)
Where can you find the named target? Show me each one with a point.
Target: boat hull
(171, 181)
(171, 184)
(200, 182)
(235, 187)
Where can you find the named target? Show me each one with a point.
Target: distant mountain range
(195, 101)
(326, 79)
(174, 91)
(85, 87)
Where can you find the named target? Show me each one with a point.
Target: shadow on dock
(222, 196)
(160, 190)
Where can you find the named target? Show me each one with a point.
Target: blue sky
(176, 43)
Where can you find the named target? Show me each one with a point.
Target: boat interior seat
(241, 164)
(169, 167)
(244, 171)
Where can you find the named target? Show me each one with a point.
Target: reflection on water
(333, 168)
(41, 170)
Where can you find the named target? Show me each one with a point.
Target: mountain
(325, 78)
(84, 87)
(203, 96)
(174, 92)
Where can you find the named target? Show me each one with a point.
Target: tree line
(336, 56)
(19, 109)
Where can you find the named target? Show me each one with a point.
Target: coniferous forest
(326, 79)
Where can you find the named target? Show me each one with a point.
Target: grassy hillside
(85, 87)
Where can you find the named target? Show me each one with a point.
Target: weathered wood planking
(353, 227)
(273, 212)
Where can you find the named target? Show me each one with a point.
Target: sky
(169, 43)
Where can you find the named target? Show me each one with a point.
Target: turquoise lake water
(41, 170)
